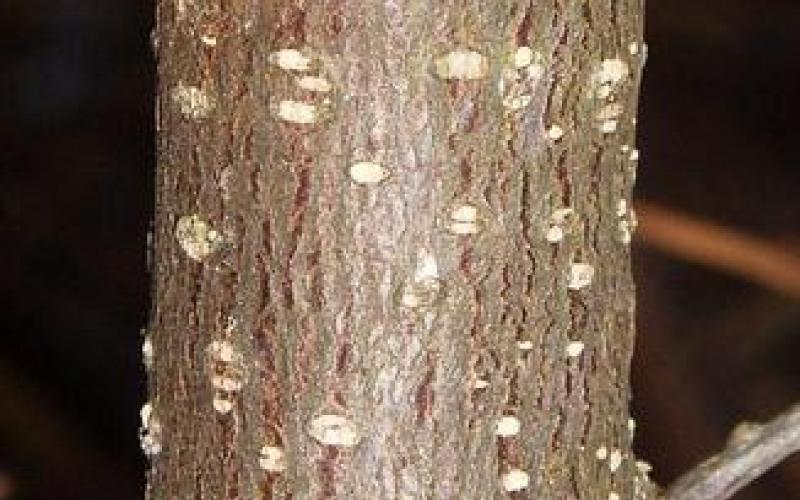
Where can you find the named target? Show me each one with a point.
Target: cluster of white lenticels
(300, 66)
(525, 70)
(226, 372)
(605, 84)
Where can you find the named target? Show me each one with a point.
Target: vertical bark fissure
(390, 255)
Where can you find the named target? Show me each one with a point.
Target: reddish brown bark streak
(311, 284)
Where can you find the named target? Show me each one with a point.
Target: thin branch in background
(754, 259)
(751, 451)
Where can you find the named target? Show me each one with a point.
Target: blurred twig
(748, 257)
(751, 451)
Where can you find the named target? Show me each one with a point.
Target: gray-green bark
(391, 250)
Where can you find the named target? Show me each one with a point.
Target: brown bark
(391, 250)
(751, 451)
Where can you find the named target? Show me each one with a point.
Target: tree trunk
(392, 250)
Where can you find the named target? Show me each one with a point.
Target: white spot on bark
(601, 453)
(151, 444)
(464, 220)
(368, 172)
(613, 496)
(192, 101)
(624, 230)
(196, 237)
(145, 413)
(554, 234)
(209, 40)
(631, 426)
(574, 348)
(272, 459)
(150, 431)
(556, 229)
(608, 126)
(464, 213)
(515, 103)
(481, 384)
(227, 383)
(334, 430)
(611, 71)
(525, 345)
(643, 467)
(523, 57)
(555, 132)
(608, 76)
(222, 351)
(222, 403)
(147, 352)
(427, 268)
(581, 275)
(314, 84)
(515, 480)
(614, 460)
(290, 60)
(633, 48)
(226, 372)
(507, 426)
(296, 112)
(622, 207)
(461, 65)
(634, 155)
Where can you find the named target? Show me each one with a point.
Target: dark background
(719, 140)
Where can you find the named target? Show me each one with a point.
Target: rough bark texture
(428, 237)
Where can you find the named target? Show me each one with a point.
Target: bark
(391, 250)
